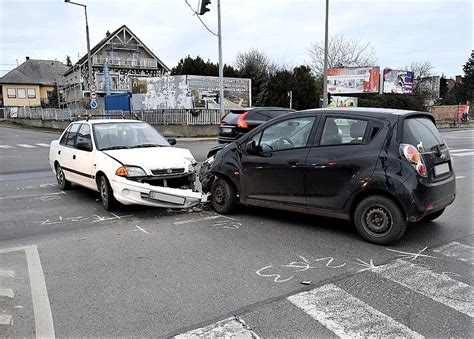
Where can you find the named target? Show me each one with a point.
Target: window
(64, 137)
(339, 131)
(21, 92)
(11, 93)
(31, 93)
(421, 131)
(71, 136)
(84, 135)
(287, 134)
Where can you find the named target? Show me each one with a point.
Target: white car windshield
(119, 135)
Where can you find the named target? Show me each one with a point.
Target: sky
(401, 31)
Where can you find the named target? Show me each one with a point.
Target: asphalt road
(68, 267)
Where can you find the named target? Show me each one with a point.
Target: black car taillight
(241, 121)
(410, 153)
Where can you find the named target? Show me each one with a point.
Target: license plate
(441, 169)
(166, 198)
(226, 130)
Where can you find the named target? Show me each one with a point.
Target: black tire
(433, 216)
(379, 220)
(63, 183)
(107, 194)
(223, 196)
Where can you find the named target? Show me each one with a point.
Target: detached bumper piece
(165, 198)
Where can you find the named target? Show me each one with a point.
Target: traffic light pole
(221, 65)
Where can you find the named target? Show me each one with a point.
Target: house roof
(36, 72)
(101, 44)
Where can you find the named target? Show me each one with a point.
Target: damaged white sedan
(126, 161)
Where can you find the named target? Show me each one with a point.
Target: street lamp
(89, 62)
(325, 76)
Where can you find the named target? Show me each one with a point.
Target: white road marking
(462, 252)
(5, 146)
(43, 145)
(5, 319)
(43, 318)
(196, 220)
(436, 286)
(7, 274)
(227, 328)
(460, 177)
(30, 195)
(9, 156)
(26, 146)
(457, 150)
(462, 154)
(347, 316)
(141, 229)
(6, 292)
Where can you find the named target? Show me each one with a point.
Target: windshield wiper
(113, 147)
(146, 145)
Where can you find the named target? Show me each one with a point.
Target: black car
(379, 168)
(239, 122)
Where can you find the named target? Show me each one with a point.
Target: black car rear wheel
(63, 183)
(379, 220)
(223, 196)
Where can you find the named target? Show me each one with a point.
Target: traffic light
(203, 9)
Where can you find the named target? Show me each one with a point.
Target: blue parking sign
(93, 103)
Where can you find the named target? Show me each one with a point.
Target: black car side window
(340, 131)
(71, 135)
(293, 133)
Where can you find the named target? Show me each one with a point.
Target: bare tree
(423, 77)
(342, 52)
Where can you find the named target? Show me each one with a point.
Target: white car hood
(150, 158)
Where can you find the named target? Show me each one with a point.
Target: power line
(199, 17)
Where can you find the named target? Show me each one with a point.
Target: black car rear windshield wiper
(147, 145)
(114, 147)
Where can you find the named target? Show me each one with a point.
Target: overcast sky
(401, 31)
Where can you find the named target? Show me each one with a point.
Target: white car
(127, 161)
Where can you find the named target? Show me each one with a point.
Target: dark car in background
(239, 122)
(379, 168)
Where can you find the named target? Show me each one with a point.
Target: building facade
(126, 58)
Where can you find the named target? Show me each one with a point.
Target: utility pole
(290, 94)
(325, 77)
(221, 65)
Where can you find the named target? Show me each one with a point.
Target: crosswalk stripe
(457, 150)
(6, 292)
(227, 328)
(462, 252)
(462, 154)
(43, 145)
(5, 319)
(438, 287)
(5, 146)
(25, 146)
(7, 274)
(348, 316)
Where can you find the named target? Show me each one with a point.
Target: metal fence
(157, 117)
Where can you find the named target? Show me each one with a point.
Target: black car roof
(387, 113)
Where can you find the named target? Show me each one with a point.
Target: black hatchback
(379, 168)
(238, 122)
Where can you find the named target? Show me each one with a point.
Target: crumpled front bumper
(130, 192)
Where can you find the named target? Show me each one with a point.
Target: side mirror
(84, 146)
(172, 142)
(251, 147)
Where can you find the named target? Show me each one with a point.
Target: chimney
(27, 58)
(107, 34)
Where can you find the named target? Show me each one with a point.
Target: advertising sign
(397, 82)
(337, 101)
(189, 92)
(353, 80)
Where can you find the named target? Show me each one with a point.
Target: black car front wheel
(107, 194)
(379, 220)
(223, 196)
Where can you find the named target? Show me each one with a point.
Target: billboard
(353, 80)
(337, 101)
(189, 92)
(397, 82)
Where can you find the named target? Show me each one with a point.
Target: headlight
(130, 171)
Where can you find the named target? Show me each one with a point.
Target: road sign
(93, 104)
(93, 95)
(92, 88)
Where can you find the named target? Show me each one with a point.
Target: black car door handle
(74, 157)
(292, 162)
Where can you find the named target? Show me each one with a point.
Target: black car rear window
(421, 130)
(232, 116)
